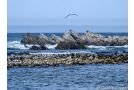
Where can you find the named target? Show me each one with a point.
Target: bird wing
(67, 16)
(75, 14)
(70, 15)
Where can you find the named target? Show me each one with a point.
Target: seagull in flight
(71, 14)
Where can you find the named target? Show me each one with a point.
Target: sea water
(75, 77)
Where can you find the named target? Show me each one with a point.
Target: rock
(29, 38)
(75, 35)
(37, 48)
(56, 39)
(72, 40)
(65, 59)
(68, 37)
(41, 40)
(43, 36)
(116, 40)
(90, 38)
(70, 45)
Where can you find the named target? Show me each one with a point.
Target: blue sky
(52, 12)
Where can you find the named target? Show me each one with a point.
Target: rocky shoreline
(33, 60)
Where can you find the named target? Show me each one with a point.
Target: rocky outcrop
(72, 40)
(92, 39)
(29, 38)
(32, 60)
(56, 39)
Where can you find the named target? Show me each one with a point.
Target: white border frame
(3, 44)
(131, 44)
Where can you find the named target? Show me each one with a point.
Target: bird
(71, 14)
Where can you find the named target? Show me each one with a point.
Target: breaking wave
(18, 45)
(105, 47)
(49, 46)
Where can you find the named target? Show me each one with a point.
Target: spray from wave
(18, 45)
(105, 47)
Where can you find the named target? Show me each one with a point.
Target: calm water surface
(78, 77)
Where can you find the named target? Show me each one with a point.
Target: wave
(105, 47)
(49, 46)
(18, 45)
(58, 52)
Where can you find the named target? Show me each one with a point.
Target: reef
(31, 60)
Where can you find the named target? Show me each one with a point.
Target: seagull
(71, 14)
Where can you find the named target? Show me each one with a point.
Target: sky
(52, 12)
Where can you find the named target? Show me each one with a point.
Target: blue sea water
(75, 77)
(65, 28)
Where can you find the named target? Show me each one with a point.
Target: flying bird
(71, 14)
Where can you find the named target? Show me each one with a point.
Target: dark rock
(35, 48)
(29, 38)
(71, 41)
(69, 45)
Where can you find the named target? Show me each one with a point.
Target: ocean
(75, 77)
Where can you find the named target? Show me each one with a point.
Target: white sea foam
(96, 47)
(49, 46)
(49, 53)
(17, 45)
(58, 52)
(105, 47)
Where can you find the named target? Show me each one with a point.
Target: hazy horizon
(52, 12)
(66, 28)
